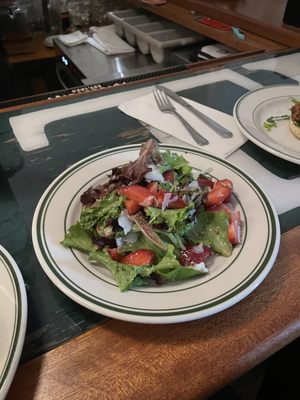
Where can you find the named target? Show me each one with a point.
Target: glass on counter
(80, 14)
(54, 16)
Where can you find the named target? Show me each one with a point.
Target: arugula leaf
(211, 228)
(175, 162)
(294, 101)
(271, 121)
(269, 124)
(79, 239)
(172, 238)
(125, 275)
(174, 218)
(105, 209)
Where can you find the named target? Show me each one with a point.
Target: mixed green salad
(154, 221)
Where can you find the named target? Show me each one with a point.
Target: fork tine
(164, 104)
(159, 99)
(155, 93)
(165, 99)
(162, 100)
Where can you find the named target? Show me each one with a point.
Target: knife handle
(219, 129)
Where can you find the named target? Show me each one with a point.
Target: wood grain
(41, 52)
(181, 14)
(121, 360)
(264, 18)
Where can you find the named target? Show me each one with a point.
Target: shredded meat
(295, 112)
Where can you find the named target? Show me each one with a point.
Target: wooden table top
(41, 51)
(121, 360)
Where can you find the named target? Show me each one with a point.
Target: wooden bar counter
(120, 360)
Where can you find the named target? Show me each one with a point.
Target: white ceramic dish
(253, 109)
(13, 319)
(229, 279)
(49, 40)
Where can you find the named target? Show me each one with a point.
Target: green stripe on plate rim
(119, 308)
(17, 320)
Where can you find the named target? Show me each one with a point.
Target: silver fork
(165, 105)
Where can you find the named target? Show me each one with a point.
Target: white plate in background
(13, 319)
(255, 107)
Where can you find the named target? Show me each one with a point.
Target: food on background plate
(293, 118)
(154, 220)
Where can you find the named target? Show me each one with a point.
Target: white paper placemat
(146, 110)
(29, 127)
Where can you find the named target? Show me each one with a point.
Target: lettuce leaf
(128, 276)
(142, 243)
(79, 239)
(211, 228)
(125, 275)
(172, 238)
(171, 270)
(105, 209)
(175, 162)
(174, 218)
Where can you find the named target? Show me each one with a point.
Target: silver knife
(220, 130)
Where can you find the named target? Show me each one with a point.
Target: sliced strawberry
(139, 257)
(153, 187)
(139, 194)
(194, 254)
(159, 198)
(132, 207)
(220, 193)
(223, 183)
(177, 203)
(169, 175)
(234, 228)
(114, 254)
(217, 196)
(202, 181)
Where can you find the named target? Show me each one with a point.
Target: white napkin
(106, 40)
(73, 39)
(146, 110)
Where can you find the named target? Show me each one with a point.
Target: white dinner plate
(13, 319)
(229, 279)
(255, 107)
